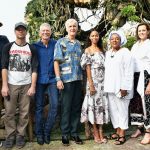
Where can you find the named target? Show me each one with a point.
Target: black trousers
(71, 108)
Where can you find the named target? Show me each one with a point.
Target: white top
(19, 71)
(119, 72)
(141, 54)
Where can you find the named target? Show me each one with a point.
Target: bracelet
(58, 78)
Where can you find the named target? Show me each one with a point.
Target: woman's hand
(92, 90)
(147, 91)
(123, 93)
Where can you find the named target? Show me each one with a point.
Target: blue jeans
(43, 127)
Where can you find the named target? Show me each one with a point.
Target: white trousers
(118, 109)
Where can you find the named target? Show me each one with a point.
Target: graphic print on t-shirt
(19, 60)
(19, 64)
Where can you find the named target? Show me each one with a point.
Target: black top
(3, 40)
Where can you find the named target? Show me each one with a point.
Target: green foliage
(130, 41)
(53, 12)
(129, 12)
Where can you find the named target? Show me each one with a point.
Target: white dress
(95, 107)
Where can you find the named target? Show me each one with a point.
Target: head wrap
(121, 35)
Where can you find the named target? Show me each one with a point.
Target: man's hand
(60, 85)
(31, 91)
(5, 91)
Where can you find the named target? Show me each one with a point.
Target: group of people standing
(57, 66)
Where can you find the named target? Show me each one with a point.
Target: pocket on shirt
(66, 70)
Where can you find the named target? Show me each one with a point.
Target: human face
(115, 41)
(20, 32)
(94, 37)
(72, 29)
(142, 32)
(45, 33)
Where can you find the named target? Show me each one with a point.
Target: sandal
(119, 141)
(145, 140)
(104, 140)
(138, 132)
(113, 136)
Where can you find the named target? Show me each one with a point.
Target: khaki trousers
(18, 99)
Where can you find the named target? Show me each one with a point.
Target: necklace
(112, 54)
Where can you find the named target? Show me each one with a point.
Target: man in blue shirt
(46, 83)
(69, 75)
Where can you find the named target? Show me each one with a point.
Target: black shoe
(40, 140)
(9, 143)
(65, 140)
(20, 141)
(76, 139)
(47, 139)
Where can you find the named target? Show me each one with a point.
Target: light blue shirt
(68, 54)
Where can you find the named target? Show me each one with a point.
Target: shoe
(40, 140)
(138, 132)
(104, 140)
(146, 139)
(76, 139)
(65, 140)
(121, 140)
(9, 143)
(47, 139)
(20, 141)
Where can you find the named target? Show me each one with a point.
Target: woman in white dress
(140, 104)
(95, 105)
(118, 84)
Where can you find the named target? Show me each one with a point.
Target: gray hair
(45, 25)
(69, 21)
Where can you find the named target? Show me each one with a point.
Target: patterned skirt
(136, 107)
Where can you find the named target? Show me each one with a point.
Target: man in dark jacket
(3, 40)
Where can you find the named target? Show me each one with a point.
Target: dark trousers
(71, 108)
(43, 127)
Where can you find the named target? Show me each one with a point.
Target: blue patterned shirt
(68, 54)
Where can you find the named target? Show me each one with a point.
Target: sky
(11, 12)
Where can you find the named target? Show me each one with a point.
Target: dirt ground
(55, 144)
